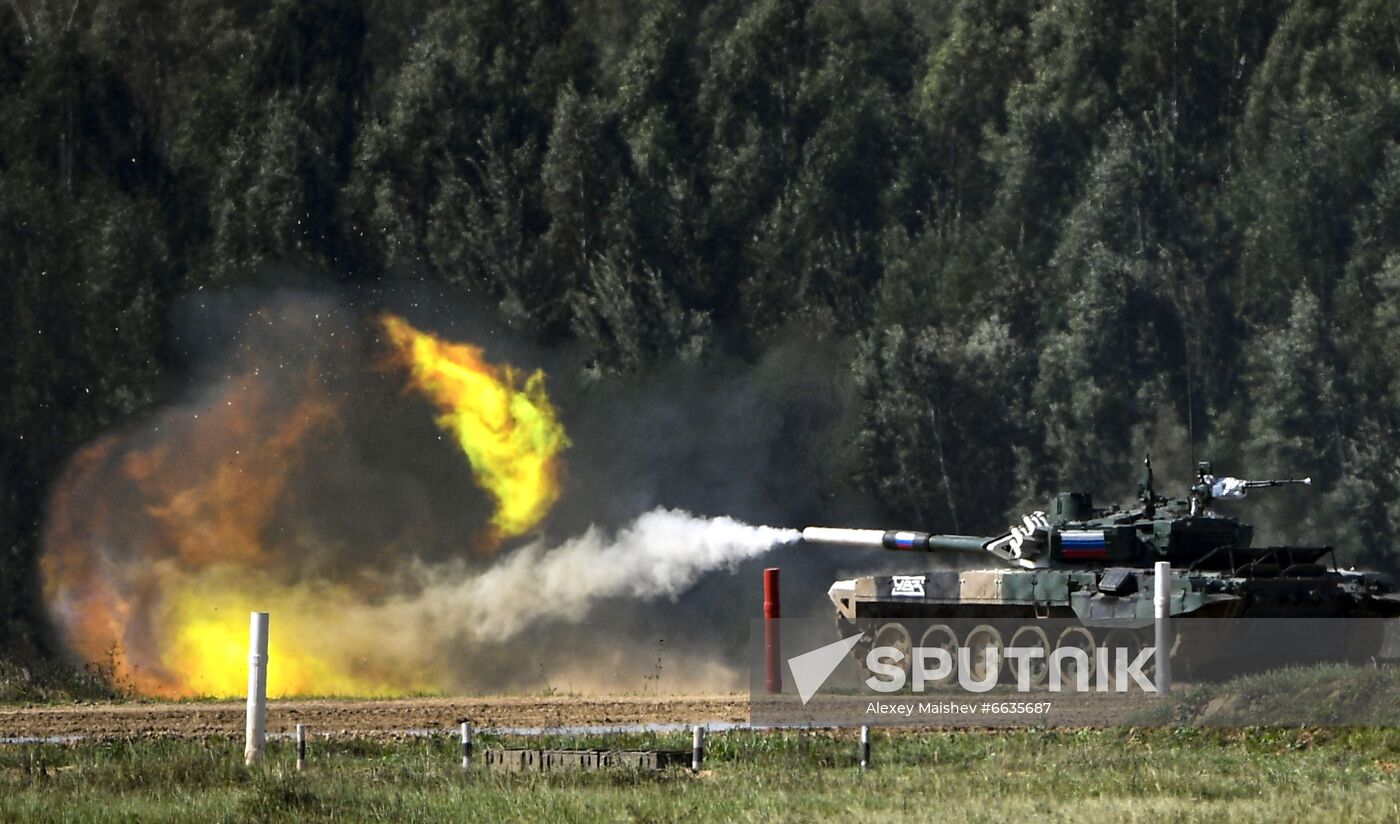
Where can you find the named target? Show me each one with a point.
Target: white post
(466, 745)
(697, 749)
(256, 731)
(1162, 611)
(864, 748)
(301, 747)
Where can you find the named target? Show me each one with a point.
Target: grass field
(1122, 774)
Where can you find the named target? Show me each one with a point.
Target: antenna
(1190, 412)
(1192, 345)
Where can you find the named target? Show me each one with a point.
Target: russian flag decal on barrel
(905, 540)
(1083, 543)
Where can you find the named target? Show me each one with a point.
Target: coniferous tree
(1295, 414)
(277, 194)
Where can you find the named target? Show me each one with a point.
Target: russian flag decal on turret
(1083, 543)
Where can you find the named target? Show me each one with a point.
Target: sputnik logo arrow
(811, 669)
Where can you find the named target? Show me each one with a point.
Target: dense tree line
(1050, 235)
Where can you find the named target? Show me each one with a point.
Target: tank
(1080, 575)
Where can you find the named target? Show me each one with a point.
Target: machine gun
(1208, 487)
(1278, 482)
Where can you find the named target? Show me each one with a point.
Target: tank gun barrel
(892, 539)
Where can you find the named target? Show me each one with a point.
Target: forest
(1045, 237)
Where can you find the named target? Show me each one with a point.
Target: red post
(772, 641)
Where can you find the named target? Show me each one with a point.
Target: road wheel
(982, 638)
(1031, 636)
(895, 634)
(942, 636)
(1079, 638)
(1130, 640)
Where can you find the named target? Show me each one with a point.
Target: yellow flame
(507, 427)
(322, 641)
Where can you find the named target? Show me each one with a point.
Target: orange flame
(509, 431)
(154, 557)
(161, 539)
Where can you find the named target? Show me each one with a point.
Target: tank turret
(1075, 534)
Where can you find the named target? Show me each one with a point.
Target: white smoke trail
(660, 554)
(439, 625)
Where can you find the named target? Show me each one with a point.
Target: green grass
(50, 682)
(1159, 774)
(1323, 694)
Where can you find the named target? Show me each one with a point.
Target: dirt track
(370, 718)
